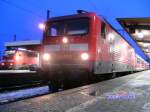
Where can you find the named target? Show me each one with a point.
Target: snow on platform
(22, 94)
(125, 94)
(16, 71)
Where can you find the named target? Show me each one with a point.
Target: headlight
(2, 64)
(84, 56)
(11, 64)
(17, 57)
(65, 40)
(46, 57)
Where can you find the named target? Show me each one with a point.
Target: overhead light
(146, 44)
(140, 35)
(147, 50)
(146, 32)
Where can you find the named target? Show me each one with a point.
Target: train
(80, 46)
(19, 58)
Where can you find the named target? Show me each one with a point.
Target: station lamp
(41, 26)
(146, 44)
(140, 35)
(147, 50)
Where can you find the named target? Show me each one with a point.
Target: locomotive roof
(89, 14)
(134, 26)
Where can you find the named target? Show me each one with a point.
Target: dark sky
(21, 17)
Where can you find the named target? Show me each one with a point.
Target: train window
(10, 52)
(103, 30)
(53, 31)
(56, 29)
(77, 27)
(32, 54)
(69, 27)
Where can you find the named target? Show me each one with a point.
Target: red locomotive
(84, 43)
(19, 58)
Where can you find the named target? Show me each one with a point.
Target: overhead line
(21, 8)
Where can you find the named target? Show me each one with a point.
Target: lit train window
(103, 30)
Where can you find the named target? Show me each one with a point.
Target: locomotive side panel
(113, 53)
(103, 63)
(121, 55)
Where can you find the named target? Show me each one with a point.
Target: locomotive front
(66, 45)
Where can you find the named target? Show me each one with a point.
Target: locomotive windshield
(9, 53)
(69, 27)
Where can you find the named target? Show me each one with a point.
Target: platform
(125, 94)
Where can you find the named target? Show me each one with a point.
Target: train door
(102, 64)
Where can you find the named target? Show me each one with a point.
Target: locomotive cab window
(68, 27)
(103, 30)
(32, 54)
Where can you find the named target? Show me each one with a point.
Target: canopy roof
(139, 30)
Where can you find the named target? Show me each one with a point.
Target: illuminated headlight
(84, 56)
(46, 57)
(11, 64)
(17, 57)
(65, 40)
(2, 64)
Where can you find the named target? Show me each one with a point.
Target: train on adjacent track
(19, 58)
(88, 45)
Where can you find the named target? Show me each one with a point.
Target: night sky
(21, 17)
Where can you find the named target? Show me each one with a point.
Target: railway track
(23, 86)
(17, 79)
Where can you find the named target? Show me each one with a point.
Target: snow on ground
(21, 94)
(17, 71)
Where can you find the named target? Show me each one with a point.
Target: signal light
(84, 56)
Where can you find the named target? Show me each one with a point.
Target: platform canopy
(139, 30)
(34, 45)
(22, 43)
